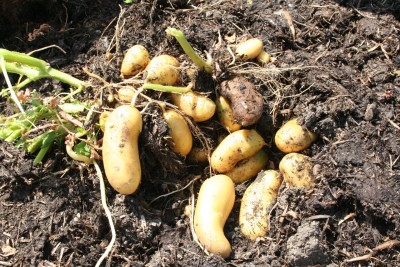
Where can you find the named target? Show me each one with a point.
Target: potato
(214, 204)
(163, 69)
(235, 147)
(297, 170)
(249, 49)
(135, 60)
(179, 130)
(291, 137)
(263, 58)
(120, 149)
(102, 120)
(247, 104)
(248, 168)
(199, 107)
(257, 201)
(225, 115)
(199, 155)
(125, 94)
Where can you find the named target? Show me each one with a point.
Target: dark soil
(338, 72)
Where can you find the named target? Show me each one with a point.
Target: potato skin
(125, 94)
(179, 131)
(214, 204)
(249, 49)
(297, 170)
(225, 115)
(291, 137)
(120, 149)
(199, 107)
(163, 69)
(247, 104)
(248, 168)
(257, 201)
(135, 60)
(235, 147)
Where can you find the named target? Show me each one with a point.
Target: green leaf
(82, 148)
(128, 1)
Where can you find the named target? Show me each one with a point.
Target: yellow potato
(102, 120)
(125, 94)
(291, 137)
(297, 170)
(120, 149)
(257, 201)
(199, 155)
(199, 107)
(225, 115)
(163, 69)
(179, 131)
(235, 147)
(214, 204)
(135, 60)
(249, 49)
(263, 58)
(248, 168)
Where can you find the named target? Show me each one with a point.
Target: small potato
(125, 94)
(247, 104)
(214, 204)
(249, 49)
(248, 168)
(199, 107)
(179, 131)
(102, 120)
(199, 155)
(225, 115)
(120, 149)
(235, 147)
(163, 69)
(257, 202)
(291, 137)
(297, 170)
(135, 60)
(263, 58)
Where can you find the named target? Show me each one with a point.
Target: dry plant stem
(167, 88)
(108, 214)
(197, 60)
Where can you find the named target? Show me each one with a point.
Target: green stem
(23, 58)
(167, 88)
(36, 142)
(197, 60)
(14, 135)
(46, 145)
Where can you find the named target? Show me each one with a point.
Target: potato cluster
(239, 156)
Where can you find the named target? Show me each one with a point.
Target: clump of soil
(335, 66)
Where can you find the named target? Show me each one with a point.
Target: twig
(10, 87)
(108, 214)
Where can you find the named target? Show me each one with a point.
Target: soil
(336, 66)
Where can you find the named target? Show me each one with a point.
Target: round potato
(291, 137)
(297, 170)
(163, 69)
(135, 60)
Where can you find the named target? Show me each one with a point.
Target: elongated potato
(235, 147)
(163, 69)
(225, 115)
(135, 60)
(198, 154)
(120, 149)
(249, 49)
(248, 168)
(257, 201)
(199, 107)
(291, 137)
(179, 131)
(214, 204)
(297, 170)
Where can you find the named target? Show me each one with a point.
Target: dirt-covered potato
(125, 94)
(291, 137)
(297, 170)
(135, 60)
(247, 104)
(248, 168)
(163, 69)
(257, 201)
